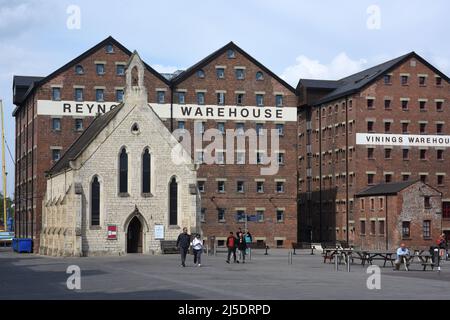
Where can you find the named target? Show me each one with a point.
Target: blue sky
(295, 39)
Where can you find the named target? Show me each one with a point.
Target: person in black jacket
(183, 242)
(242, 246)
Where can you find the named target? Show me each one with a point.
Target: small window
(240, 128)
(280, 158)
(405, 127)
(260, 215)
(161, 96)
(423, 127)
(240, 74)
(201, 186)
(56, 154)
(135, 128)
(280, 187)
(201, 98)
(221, 127)
(100, 68)
(387, 104)
(56, 94)
(220, 72)
(423, 178)
(280, 215)
(260, 186)
(422, 81)
(405, 177)
(438, 81)
(78, 94)
(260, 100)
(362, 227)
(404, 80)
(231, 54)
(370, 126)
(388, 153)
(406, 231)
(405, 104)
(423, 154)
(381, 227)
(427, 202)
(259, 76)
(387, 79)
(388, 178)
(221, 214)
(370, 178)
(440, 154)
(279, 100)
(200, 74)
(440, 180)
(181, 125)
(439, 128)
(100, 95)
(78, 124)
(280, 243)
(181, 97)
(220, 157)
(373, 227)
(422, 105)
(220, 98)
(56, 124)
(109, 48)
(79, 69)
(240, 157)
(239, 99)
(240, 215)
(221, 186)
(370, 153)
(427, 229)
(202, 214)
(221, 243)
(387, 127)
(362, 202)
(119, 95)
(120, 70)
(405, 153)
(280, 129)
(370, 103)
(259, 129)
(439, 106)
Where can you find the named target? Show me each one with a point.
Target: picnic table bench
(169, 246)
(301, 245)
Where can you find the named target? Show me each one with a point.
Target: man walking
(183, 242)
(231, 245)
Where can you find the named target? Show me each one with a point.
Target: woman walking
(197, 246)
(242, 246)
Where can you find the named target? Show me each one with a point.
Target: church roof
(83, 141)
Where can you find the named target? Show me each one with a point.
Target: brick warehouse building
(354, 134)
(53, 111)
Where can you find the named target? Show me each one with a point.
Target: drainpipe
(346, 170)
(386, 223)
(320, 174)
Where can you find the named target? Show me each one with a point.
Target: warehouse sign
(402, 140)
(184, 111)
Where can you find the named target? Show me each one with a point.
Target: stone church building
(123, 186)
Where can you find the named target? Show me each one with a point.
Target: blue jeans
(197, 256)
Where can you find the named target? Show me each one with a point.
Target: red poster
(112, 232)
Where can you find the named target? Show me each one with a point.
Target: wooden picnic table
(331, 253)
(369, 256)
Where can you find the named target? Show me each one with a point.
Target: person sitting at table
(402, 252)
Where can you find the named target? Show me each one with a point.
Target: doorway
(134, 236)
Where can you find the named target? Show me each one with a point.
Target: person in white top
(197, 246)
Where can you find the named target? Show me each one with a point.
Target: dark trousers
(242, 254)
(197, 256)
(230, 251)
(183, 252)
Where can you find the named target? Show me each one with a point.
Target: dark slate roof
(318, 84)
(358, 81)
(231, 45)
(83, 141)
(21, 84)
(385, 189)
(72, 63)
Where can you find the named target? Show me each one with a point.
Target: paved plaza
(28, 276)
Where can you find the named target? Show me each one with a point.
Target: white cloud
(306, 68)
(164, 69)
(443, 64)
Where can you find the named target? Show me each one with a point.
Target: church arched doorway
(134, 236)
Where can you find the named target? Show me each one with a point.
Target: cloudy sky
(295, 39)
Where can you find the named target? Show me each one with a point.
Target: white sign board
(159, 232)
(402, 140)
(179, 111)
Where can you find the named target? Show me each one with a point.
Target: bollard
(290, 257)
(215, 250)
(267, 247)
(437, 258)
(336, 266)
(348, 263)
(312, 250)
